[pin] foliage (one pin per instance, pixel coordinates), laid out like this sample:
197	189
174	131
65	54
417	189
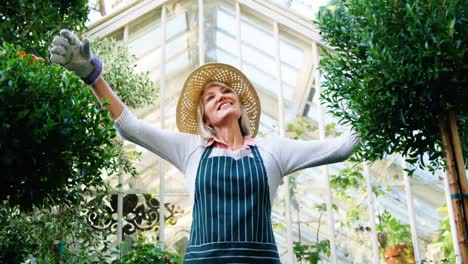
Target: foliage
392	232
311	253
348	178
15	245
53	234
348	184
396	67
141	252
135	89
298	129
445	236
32	24
55	139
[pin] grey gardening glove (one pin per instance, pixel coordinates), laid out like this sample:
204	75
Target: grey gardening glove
76	56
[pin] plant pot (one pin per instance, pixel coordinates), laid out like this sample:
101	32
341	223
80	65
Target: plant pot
399	254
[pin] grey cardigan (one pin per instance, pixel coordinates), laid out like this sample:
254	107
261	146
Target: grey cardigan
281	156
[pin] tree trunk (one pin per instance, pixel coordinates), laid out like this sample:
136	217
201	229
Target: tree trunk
457	178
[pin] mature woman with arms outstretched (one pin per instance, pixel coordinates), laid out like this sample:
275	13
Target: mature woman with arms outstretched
231	177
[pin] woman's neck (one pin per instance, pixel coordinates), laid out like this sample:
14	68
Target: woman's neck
231	135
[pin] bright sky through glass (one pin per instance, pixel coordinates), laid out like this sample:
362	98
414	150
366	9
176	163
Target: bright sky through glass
306	8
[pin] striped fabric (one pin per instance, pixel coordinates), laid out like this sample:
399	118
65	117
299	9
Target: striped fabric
231	212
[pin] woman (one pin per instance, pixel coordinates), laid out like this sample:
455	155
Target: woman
231	177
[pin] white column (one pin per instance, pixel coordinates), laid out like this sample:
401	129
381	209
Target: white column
282	132
119	208
120	179
238	36
412	217
324	169
201	34
162	96
371	207
451	214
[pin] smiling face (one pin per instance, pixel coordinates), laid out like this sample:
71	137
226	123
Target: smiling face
221	105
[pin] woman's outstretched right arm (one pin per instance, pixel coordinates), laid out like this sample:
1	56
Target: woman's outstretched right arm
102	91
76	56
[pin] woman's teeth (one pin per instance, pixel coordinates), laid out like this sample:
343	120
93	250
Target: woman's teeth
224	106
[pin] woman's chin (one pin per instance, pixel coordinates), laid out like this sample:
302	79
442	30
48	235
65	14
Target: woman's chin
226	116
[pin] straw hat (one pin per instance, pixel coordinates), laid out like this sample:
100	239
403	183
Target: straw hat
193	87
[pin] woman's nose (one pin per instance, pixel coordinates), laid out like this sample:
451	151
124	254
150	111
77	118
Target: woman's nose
220	97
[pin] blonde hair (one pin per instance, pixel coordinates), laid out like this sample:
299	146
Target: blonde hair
206	131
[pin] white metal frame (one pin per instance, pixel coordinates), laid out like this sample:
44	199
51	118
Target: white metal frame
282	133
324	169
371	209
162	96
412	217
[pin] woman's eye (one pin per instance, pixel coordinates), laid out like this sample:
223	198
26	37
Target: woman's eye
209	98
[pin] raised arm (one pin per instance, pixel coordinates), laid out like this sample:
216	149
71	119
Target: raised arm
76	56
293	155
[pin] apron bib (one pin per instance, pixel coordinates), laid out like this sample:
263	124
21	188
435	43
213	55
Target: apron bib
231	212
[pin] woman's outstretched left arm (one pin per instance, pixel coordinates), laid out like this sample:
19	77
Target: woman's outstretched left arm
295	155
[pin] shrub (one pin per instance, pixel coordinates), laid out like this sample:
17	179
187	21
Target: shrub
54	138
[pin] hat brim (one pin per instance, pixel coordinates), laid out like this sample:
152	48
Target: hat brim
195	83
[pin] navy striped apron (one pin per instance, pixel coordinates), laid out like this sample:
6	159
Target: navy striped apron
231	212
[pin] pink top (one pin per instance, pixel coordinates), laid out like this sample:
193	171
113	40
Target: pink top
217	143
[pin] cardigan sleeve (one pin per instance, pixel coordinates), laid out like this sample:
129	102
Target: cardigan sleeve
292	155
174	147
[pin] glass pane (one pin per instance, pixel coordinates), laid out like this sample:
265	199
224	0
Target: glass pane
143	39
178	63
226	42
259	59
226	21
289	75
291	54
224	57
176	25
175	46
257	37
288	91
311	95
311	112
149	62
266	81
267	124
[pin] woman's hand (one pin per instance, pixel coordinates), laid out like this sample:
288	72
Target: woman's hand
76	56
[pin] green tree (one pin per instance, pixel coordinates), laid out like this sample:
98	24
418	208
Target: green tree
32	24
397	74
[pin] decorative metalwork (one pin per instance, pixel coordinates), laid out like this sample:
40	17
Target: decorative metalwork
140	212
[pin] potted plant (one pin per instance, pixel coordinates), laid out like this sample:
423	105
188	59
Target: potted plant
395	239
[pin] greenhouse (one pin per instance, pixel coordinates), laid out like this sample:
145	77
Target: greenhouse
356	133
